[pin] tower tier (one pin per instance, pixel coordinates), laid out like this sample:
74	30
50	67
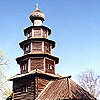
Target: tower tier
37	32
43	62
37	46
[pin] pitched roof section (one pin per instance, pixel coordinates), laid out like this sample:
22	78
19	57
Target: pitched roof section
59	88
36	71
64	89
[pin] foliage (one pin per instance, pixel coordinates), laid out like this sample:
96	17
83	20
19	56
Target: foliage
5	91
90	82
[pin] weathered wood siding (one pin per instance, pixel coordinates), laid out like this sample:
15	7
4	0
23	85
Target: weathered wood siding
37	63
37	47
50	66
24	89
47	48
28	89
37	33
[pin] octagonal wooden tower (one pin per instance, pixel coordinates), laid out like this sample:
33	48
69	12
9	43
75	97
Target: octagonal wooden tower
37	59
37	79
37	48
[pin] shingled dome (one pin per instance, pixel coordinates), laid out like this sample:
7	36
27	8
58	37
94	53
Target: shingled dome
37	14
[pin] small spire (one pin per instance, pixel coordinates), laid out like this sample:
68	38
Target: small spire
37	6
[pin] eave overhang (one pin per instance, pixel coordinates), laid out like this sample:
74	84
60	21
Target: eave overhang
21	59
29	29
36	39
35	73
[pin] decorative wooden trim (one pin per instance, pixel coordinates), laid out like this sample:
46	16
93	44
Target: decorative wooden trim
41	33
44	65
34	27
37	39
50	49
43	46
47	34
32	32
29	65
20	59
31	47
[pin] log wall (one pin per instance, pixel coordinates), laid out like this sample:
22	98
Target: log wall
37	63
36	47
28	89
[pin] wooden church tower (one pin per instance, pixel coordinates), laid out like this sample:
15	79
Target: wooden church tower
37	79
37	48
36	61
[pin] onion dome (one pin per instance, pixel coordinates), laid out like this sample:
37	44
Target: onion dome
37	15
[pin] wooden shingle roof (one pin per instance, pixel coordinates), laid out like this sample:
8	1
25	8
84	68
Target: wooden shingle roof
36	71
60	88
64	89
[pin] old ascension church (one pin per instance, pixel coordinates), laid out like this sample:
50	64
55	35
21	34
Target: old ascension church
37	79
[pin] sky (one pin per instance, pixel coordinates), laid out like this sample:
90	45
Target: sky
75	27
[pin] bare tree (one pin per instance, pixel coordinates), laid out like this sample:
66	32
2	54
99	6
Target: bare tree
90	82
5	91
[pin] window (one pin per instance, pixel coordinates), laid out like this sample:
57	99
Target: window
45	33
29	35
24	67
47	47
27	48
49	66
24	88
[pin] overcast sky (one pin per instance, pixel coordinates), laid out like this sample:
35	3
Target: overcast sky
75	27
